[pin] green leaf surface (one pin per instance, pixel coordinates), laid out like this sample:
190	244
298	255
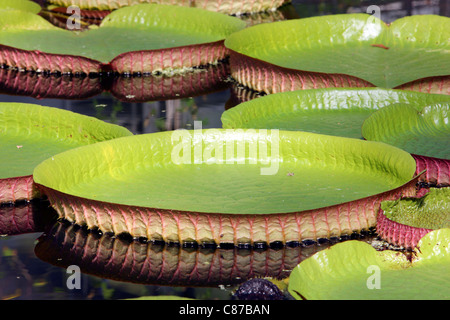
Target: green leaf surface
22	5
228	171
419	129
32	133
339	112
359	45
354	270
432	211
135	28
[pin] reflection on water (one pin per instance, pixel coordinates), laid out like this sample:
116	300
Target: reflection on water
25	217
155	263
200	81
143	105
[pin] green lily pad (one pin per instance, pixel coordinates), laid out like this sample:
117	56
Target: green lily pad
419	129
22	5
31	133
432	211
355	270
129	29
227	186
301	171
358	45
339	112
403	222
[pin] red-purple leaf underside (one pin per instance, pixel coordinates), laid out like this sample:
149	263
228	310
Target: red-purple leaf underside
182	226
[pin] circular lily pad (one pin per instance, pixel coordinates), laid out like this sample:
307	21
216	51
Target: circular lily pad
216	185
351	50
354	270
333	111
419	129
32	133
141	38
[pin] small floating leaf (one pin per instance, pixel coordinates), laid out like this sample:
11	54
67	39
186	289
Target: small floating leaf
432	211
403	222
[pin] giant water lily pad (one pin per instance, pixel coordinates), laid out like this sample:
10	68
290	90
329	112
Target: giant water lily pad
156	37
31	133
341	51
333	111
355	270
419	129
227	185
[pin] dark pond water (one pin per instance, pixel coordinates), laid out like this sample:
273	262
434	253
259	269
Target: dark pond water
114	268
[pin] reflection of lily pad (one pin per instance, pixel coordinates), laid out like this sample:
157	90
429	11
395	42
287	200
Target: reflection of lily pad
29	217
128	89
189	84
404	221
141	38
184	178
14	82
421	130
355	270
155	263
339	112
32	133
340	51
